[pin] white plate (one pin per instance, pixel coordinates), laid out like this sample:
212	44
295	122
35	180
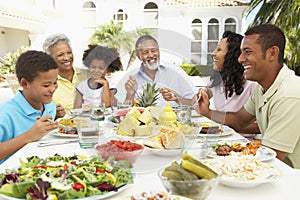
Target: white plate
110	118
133	138
232	175
169	197
226	131
101	196
58	134
227	181
263	153
165	152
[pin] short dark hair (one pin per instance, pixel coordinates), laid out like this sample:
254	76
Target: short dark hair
32	62
144	38
269	35
110	56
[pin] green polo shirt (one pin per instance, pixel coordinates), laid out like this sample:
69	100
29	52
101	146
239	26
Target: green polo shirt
277	113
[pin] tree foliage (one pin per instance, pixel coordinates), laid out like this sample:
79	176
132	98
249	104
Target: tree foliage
284	14
113	35
8	62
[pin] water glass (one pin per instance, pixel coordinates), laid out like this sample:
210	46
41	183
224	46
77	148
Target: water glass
98	113
183	113
125	104
88	133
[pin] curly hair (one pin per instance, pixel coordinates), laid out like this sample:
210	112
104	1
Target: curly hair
109	55
31	63
232	73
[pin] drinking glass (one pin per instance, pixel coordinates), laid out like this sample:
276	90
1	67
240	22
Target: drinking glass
88	133
98	113
124	105
183	113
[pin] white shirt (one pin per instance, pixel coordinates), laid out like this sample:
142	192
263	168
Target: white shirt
172	77
91	96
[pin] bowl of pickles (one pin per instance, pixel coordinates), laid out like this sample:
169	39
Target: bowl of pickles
190	178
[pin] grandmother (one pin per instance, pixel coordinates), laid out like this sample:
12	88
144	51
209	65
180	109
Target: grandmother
58	46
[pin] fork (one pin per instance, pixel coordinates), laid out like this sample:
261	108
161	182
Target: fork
50	143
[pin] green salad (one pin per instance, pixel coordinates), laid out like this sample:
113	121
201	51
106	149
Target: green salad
58	177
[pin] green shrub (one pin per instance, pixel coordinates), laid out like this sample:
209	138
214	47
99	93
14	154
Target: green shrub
196	70
8	62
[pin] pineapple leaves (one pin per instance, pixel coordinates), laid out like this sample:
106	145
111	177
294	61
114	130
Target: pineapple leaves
149	95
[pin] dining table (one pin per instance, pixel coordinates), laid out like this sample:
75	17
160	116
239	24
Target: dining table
147	166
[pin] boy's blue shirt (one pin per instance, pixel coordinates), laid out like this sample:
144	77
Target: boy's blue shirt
18	116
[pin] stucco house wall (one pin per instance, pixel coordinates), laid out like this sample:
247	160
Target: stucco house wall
174	22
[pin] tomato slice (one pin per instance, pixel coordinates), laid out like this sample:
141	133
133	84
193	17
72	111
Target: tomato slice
100	171
40	167
77	186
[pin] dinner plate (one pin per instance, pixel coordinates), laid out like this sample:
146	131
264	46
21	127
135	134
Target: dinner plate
133	138
101	196
112	121
147	195
226	131
238	173
248	184
263	153
58	134
164	152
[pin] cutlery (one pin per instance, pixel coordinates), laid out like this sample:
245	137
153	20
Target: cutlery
57	142
227	140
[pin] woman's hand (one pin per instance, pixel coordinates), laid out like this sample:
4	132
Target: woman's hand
202	107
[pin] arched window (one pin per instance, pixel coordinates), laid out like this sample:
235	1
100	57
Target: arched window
88	14
196	36
120	16
213	38
88	4
150	15
230	25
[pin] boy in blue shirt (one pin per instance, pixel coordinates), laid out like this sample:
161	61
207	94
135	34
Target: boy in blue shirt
29	115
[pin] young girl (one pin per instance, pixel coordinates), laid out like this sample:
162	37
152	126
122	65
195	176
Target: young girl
96	90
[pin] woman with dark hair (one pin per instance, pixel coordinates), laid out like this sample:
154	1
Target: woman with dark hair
227	84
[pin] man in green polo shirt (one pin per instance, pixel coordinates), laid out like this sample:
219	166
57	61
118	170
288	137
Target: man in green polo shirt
275	102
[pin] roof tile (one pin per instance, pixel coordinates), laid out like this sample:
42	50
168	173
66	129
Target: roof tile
206	3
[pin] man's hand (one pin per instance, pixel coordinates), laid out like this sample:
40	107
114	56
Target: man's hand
131	86
169	95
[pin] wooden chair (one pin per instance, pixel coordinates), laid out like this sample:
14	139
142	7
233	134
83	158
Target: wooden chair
12	82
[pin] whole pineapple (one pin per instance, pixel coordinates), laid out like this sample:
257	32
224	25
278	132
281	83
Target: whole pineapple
149	95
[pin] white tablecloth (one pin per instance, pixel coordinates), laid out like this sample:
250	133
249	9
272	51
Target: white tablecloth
285	187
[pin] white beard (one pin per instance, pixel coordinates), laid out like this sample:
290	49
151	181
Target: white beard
152	67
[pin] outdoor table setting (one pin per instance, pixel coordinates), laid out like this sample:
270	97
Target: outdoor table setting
148	164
